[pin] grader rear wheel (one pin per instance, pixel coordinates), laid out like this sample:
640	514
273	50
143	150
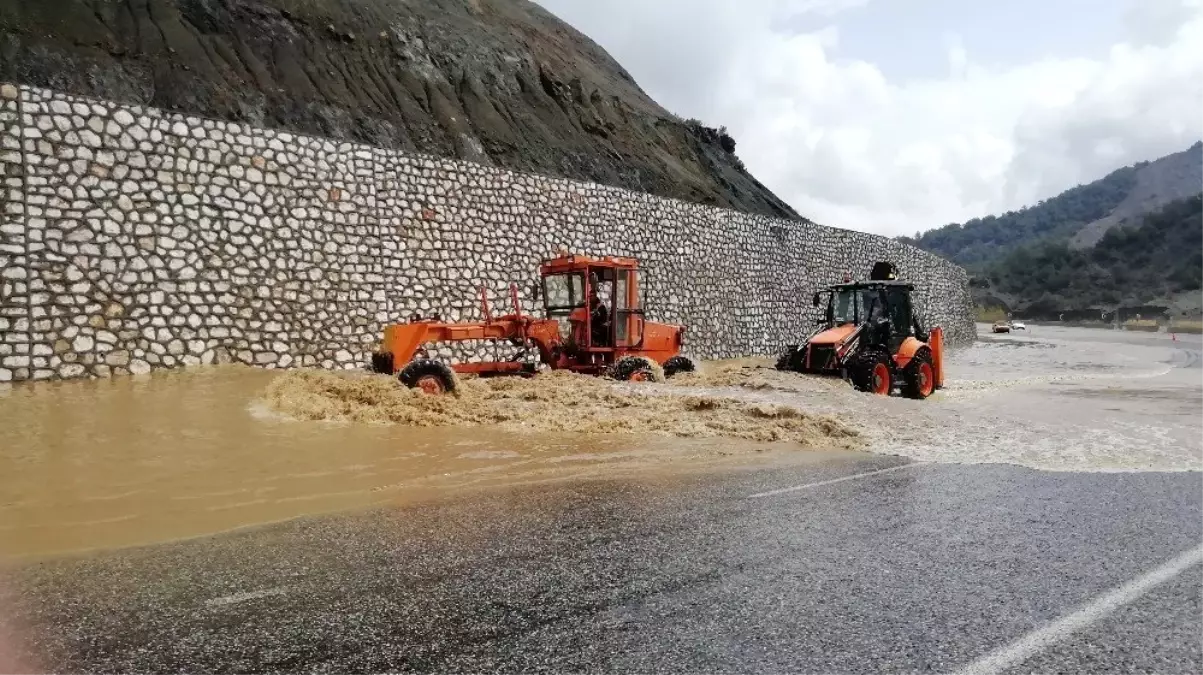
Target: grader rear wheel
431	384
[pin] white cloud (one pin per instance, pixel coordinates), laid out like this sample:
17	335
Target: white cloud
825	8
848	147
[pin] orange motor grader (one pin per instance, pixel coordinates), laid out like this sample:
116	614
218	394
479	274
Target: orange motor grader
580	331
872	336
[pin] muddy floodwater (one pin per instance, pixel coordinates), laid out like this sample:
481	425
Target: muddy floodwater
135	460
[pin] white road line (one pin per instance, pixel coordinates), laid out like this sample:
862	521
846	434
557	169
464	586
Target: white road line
243	597
1036	641
821	483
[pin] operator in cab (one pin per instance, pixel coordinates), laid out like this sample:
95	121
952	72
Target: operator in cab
599	314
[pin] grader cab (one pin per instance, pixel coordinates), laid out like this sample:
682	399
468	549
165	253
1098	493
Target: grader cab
593	323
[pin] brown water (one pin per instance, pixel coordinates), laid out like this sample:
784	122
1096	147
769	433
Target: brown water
136	460
133	460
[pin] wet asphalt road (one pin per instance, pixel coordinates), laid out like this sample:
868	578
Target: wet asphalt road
920	569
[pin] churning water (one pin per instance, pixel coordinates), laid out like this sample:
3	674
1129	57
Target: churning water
1052	398
142	459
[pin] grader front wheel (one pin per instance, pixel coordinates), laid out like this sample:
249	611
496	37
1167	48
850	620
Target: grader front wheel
382	362
432	377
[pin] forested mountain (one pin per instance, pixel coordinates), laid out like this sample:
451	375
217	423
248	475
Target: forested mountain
981	240
1135	266
1158	183
1130	239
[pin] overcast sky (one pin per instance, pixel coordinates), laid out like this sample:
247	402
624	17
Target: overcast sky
894	116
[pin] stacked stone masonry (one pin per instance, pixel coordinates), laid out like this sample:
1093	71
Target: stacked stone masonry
134	239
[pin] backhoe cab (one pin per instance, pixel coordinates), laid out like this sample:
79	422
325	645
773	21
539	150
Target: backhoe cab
593	323
871	335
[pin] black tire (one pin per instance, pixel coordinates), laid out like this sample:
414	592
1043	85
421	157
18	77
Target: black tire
782	361
382	362
678	364
912	380
632	366
416	371
862	365
787	358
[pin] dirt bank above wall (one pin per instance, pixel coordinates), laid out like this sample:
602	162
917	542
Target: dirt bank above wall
500	82
134	239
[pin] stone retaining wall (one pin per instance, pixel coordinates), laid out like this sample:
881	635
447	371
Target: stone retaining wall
135	239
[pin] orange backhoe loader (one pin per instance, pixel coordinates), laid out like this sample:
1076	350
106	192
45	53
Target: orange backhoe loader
579	331
872	336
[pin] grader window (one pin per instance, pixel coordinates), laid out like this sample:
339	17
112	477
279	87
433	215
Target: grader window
621	291
601	306
628	314
604	280
872	305
563	292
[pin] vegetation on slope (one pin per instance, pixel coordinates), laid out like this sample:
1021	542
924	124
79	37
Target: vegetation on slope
1130	266
1090	247
981	240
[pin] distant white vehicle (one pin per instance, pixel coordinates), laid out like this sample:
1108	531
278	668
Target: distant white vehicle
1018	325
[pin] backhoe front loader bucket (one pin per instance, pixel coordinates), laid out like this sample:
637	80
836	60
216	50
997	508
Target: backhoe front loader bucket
936	340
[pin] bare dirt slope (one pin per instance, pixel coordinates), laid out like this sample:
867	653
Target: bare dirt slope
501	82
1158	183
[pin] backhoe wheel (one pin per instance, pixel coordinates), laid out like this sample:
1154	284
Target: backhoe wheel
432	377
919	376
636	369
678	364
872	371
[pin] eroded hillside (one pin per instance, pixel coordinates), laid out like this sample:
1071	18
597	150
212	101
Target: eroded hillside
501	82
